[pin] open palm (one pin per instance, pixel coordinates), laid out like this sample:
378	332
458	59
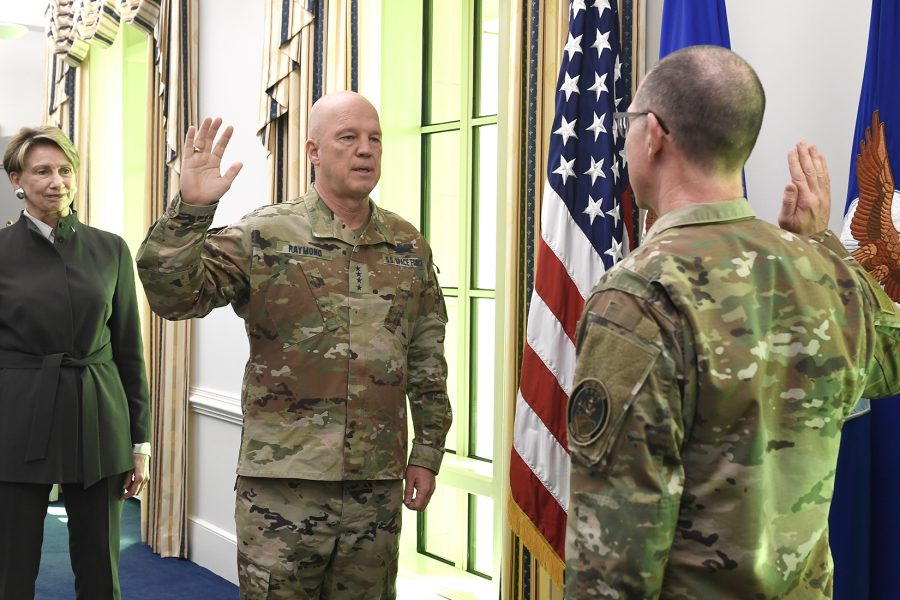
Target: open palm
806	206
202	181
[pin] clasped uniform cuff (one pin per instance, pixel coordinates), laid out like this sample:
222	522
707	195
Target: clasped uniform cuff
426	456
179	207
830	241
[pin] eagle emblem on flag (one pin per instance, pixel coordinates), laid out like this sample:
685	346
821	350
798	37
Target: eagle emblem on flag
874	223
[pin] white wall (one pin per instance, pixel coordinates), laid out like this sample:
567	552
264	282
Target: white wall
809	55
231	34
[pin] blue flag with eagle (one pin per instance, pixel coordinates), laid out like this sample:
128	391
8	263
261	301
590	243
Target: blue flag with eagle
864	521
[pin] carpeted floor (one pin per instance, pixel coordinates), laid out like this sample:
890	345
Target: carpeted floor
142	574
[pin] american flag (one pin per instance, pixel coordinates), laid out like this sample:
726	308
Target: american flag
583	233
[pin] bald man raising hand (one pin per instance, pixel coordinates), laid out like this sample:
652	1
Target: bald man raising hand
345	320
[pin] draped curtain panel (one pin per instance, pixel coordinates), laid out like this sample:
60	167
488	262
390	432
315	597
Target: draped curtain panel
537	37
171	26
310	49
72	26
173	87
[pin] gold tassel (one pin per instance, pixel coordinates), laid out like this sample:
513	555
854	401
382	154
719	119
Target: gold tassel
532	539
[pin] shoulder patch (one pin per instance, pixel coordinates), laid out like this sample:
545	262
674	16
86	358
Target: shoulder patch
588	412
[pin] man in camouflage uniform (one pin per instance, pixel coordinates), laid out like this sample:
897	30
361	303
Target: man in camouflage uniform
345	318
717	363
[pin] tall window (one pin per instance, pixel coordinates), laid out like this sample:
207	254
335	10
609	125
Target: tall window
117	131
439	111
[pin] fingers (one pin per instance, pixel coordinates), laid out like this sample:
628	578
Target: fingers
189	137
788	205
222	143
203	139
200	139
232	172
822	174
132	485
408	487
423	487
794	168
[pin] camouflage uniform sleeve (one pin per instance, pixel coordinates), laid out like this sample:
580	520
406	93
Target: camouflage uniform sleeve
882	377
187	270
628	415
429	403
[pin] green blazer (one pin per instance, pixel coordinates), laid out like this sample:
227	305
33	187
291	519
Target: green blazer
73	389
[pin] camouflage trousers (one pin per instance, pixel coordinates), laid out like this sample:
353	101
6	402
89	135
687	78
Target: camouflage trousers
317	539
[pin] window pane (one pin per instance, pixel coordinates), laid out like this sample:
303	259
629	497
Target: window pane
444	65
481	424
486	201
481	542
441	533
442	200
488	58
451	350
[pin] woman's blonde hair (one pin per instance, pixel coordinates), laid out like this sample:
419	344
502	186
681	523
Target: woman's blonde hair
28	137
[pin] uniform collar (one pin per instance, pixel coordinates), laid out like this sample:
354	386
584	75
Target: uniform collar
325	225
64	228
725	211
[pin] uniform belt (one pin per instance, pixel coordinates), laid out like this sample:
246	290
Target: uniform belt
49	366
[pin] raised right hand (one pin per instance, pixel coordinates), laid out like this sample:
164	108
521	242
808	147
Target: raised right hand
806	205
202	182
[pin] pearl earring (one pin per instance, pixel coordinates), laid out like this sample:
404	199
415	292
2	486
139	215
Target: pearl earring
20	193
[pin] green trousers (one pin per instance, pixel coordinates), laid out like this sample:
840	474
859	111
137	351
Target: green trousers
93	520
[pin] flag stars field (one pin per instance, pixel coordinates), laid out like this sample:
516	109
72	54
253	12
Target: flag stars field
599	85
570	86
566	130
597	126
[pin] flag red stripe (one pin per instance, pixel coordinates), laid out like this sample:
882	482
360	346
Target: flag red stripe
557	290
542	392
536	502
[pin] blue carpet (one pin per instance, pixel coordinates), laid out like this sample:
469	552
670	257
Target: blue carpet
142	574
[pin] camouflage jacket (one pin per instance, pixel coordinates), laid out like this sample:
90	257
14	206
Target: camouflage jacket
716	366
341	329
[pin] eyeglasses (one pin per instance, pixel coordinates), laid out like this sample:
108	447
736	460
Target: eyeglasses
621	120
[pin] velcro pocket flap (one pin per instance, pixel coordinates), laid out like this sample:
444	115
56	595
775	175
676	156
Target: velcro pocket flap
611	371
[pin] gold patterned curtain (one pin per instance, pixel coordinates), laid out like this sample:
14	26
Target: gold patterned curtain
171	27
309	50
173	107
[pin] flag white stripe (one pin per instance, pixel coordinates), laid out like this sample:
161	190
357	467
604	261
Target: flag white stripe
568	242
548	339
541	451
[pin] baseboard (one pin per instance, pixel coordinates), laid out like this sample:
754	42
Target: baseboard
213	548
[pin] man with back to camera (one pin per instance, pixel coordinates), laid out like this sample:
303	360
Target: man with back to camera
717	363
345	317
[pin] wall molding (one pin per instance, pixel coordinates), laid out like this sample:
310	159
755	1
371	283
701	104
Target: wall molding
216	405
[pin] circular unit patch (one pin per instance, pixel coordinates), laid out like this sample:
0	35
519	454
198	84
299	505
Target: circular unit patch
588	412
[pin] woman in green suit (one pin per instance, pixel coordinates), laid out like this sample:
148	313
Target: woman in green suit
74	403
